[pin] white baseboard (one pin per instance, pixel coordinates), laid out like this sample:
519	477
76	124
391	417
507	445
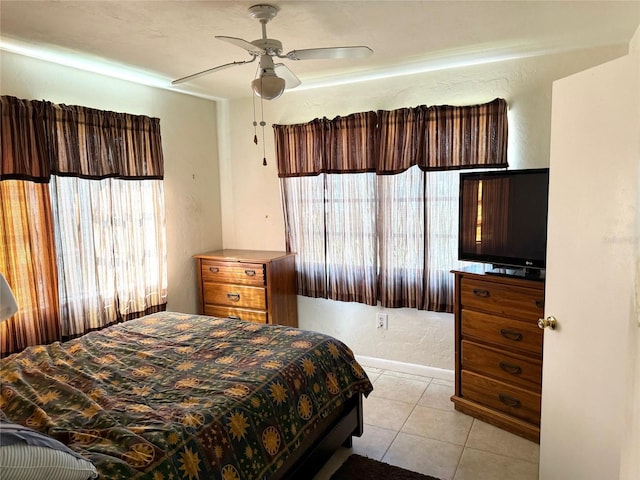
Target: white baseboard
412	368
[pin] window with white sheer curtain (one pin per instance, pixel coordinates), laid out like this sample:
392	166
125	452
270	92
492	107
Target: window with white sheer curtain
110	248
82	219
371	209
331	225
361	237
418	214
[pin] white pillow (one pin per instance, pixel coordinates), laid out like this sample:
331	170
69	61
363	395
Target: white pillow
29	455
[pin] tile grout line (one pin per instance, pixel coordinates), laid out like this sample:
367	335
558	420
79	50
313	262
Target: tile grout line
464	448
408	416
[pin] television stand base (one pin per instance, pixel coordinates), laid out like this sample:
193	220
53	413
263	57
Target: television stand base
528	273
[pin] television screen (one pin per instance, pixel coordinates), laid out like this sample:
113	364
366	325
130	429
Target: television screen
503	218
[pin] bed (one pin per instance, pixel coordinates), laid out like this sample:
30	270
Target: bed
179	396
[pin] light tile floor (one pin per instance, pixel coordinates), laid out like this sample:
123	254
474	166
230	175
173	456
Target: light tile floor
410	422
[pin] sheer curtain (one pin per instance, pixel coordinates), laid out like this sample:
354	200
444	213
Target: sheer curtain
82	219
441	227
401	237
304	218
418	238
111	250
371	200
350	233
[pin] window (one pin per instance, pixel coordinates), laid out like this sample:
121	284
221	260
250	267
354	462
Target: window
371	200
110	249
331	226
82	222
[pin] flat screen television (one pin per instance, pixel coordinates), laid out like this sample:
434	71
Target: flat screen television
503	220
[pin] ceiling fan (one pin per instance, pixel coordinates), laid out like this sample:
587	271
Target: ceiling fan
275	77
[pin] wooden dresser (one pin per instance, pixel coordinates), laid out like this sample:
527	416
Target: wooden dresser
498	350
253	285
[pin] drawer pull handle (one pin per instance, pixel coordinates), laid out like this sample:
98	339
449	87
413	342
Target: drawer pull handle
509	401
214	269
234	297
539	304
250	273
511	334
510	368
234	317
479	292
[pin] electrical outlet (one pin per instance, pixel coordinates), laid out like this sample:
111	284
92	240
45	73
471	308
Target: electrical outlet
382	320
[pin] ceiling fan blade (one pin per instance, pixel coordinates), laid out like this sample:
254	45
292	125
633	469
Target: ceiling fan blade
210	70
290	79
239	42
329	53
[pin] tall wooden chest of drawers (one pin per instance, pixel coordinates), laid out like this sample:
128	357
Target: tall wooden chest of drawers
253	285
498	350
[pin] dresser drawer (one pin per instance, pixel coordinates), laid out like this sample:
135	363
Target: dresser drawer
511	368
500	396
239	296
511	300
516	334
236	272
239	313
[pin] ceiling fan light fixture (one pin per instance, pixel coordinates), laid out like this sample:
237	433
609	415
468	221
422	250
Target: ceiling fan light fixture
268	87
274	78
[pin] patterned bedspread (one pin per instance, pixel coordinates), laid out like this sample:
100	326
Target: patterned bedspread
176	396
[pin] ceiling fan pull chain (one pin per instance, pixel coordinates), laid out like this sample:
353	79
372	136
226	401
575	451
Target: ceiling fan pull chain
262	124
255	124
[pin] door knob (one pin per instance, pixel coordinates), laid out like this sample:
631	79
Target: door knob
550	322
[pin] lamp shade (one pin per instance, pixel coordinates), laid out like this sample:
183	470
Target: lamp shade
8	305
268	86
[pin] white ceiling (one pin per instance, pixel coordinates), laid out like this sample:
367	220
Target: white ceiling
163	40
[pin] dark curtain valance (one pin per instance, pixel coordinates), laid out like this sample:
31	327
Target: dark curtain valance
340	145
25	138
401	138
465	137
389	142
40	138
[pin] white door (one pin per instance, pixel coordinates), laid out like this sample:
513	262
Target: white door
595	145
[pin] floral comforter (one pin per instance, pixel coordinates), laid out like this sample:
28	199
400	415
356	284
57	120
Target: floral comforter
176	396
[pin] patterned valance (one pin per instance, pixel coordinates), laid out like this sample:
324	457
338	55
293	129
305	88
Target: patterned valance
340	145
40	138
388	142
